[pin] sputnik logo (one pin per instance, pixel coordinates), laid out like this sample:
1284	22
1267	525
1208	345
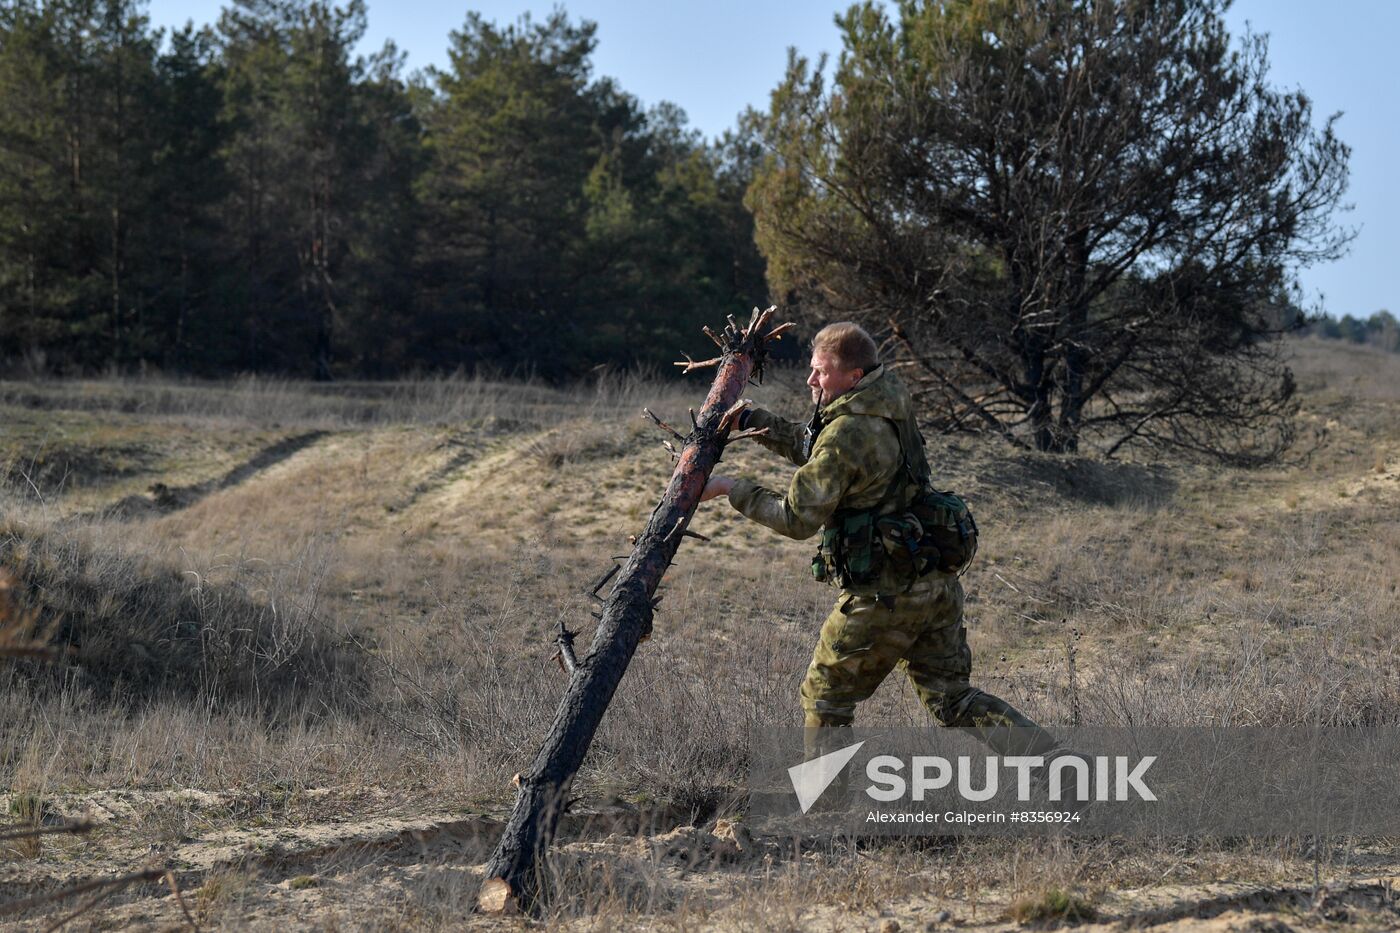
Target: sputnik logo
811	778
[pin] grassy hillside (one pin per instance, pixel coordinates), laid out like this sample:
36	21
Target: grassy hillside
296	607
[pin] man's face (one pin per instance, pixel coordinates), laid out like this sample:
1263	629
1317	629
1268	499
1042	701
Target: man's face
828	380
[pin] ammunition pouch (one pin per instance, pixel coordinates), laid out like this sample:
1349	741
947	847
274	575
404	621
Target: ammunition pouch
851	552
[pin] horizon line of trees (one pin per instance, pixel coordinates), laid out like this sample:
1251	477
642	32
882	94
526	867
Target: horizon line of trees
253	195
1380	330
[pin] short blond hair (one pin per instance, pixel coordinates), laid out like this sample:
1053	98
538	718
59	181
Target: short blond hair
850	345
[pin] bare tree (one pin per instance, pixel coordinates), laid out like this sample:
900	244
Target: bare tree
1076	218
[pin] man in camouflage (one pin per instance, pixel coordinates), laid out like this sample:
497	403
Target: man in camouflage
857	461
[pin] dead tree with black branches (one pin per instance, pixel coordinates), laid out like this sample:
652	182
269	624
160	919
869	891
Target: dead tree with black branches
1077	221
513	876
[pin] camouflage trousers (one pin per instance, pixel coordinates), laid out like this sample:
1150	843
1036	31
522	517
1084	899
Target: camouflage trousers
921	632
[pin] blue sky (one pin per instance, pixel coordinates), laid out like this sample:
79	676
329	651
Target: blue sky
717	57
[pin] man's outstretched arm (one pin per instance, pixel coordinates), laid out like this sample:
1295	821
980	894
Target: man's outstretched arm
784	437
814	493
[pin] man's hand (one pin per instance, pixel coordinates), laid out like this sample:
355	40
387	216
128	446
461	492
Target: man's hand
716	487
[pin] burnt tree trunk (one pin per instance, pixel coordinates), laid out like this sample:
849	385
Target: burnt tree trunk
513	880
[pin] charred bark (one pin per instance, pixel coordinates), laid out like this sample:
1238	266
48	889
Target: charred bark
513	876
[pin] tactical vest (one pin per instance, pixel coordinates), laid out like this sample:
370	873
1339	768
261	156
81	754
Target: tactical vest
927	530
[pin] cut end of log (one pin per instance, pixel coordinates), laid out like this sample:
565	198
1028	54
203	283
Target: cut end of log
496	897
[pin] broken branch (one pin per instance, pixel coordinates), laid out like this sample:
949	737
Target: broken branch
676	531
690	365
15	907
663	425
727	421
603	580
763	317
568	661
180	899
777	332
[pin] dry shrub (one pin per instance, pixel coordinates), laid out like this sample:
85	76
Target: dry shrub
1052	908
20	634
223	895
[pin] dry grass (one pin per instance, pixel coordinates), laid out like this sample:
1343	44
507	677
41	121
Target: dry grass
281	403
20	633
133	627
363	620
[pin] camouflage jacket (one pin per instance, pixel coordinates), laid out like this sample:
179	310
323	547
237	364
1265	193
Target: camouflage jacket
853	462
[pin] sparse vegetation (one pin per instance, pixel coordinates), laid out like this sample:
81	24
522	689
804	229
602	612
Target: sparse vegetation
1053	908
329	668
